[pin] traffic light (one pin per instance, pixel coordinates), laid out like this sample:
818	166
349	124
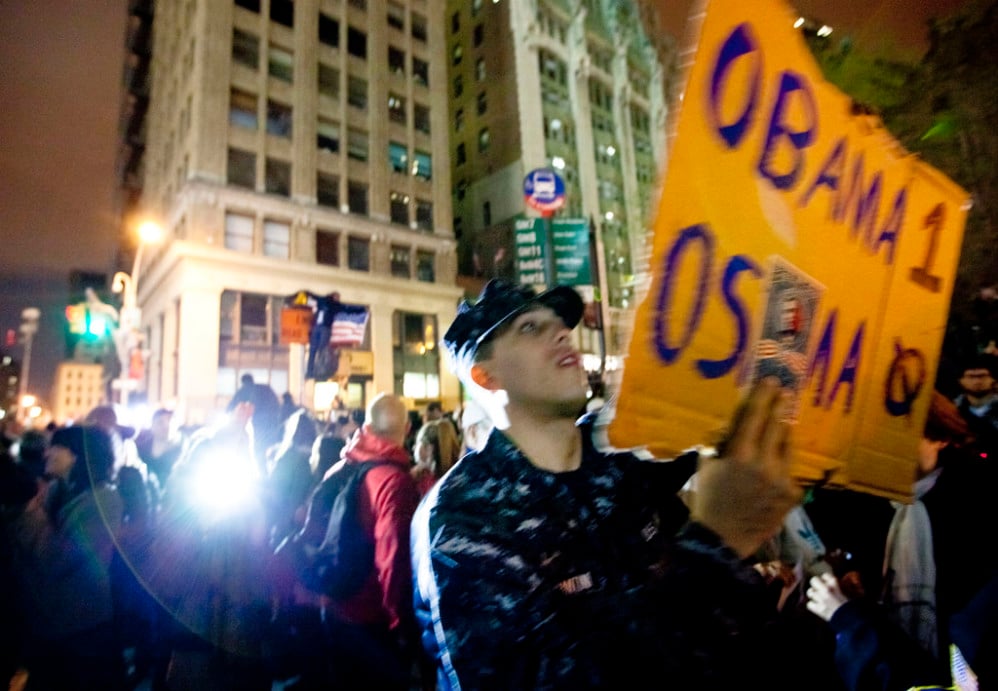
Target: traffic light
76	316
83	322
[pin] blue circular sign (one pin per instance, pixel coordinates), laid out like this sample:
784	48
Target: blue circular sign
544	190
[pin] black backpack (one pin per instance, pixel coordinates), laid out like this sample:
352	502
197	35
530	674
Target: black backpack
331	553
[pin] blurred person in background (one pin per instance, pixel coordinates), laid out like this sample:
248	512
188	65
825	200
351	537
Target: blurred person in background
435	451
158	446
64	544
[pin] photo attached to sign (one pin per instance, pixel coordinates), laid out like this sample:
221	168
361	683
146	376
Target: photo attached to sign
781	350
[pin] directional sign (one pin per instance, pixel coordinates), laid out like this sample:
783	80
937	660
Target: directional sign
570	241
544	190
530	251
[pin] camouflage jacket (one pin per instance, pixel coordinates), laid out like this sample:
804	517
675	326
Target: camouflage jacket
527	579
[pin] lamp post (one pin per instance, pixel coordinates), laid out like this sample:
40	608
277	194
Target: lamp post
127	336
29	327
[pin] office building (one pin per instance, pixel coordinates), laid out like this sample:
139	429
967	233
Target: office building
291	146
576	86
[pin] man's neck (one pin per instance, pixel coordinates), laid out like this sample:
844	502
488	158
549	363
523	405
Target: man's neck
550	443
979	400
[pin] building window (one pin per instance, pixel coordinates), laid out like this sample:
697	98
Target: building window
420	71
421	118
424	266
238	232
484	139
417	359
242	109
327	136
398	157
455	22
282	12
241	170
458	227
400	258
276	239
357	92
253	318
396	108
458	119
479	35
396	15
327	248
358	253
357	144
480	70
418	28
329	81
487	214
476	6
278	119
396	60
329	31
483	104
357	197
357	43
460	154
457	52
460	189
327	189
399	204
458	86
251	5
278	176
245	49
424	214
422	165
280	64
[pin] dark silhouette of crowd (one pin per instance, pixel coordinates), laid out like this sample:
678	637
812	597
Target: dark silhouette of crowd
154	558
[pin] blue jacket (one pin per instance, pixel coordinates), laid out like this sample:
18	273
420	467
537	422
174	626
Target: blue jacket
527	579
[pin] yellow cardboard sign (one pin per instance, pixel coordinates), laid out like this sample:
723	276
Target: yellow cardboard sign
797	239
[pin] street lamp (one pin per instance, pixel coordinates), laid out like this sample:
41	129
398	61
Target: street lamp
29	327
127	336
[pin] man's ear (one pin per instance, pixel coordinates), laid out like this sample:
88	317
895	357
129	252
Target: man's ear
481	376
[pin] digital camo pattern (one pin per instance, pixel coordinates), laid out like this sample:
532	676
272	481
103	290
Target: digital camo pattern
529	579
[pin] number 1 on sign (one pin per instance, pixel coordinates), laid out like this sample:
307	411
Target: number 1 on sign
922	274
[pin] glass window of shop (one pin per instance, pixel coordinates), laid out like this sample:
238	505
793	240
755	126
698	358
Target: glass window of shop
250	342
416	358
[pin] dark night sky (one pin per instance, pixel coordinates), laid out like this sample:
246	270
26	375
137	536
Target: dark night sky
60	86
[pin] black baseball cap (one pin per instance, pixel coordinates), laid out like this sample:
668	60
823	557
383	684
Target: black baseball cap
499	302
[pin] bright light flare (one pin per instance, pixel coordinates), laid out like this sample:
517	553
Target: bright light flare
223	486
150	232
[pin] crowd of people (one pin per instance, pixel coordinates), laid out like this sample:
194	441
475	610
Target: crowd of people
508	547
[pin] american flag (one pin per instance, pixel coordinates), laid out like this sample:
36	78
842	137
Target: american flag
349	326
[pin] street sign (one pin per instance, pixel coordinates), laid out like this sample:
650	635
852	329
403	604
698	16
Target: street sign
296	323
569	241
531	252
544	190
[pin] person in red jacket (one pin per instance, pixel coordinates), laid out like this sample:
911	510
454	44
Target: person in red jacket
371	632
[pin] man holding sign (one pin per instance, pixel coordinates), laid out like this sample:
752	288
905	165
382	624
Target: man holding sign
544	562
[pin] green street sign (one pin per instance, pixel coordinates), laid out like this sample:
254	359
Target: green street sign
570	241
530	252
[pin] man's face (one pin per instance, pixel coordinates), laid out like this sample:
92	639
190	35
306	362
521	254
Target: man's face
977	382
536	363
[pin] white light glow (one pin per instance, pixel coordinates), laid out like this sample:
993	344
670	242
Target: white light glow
825	30
799	22
558	162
